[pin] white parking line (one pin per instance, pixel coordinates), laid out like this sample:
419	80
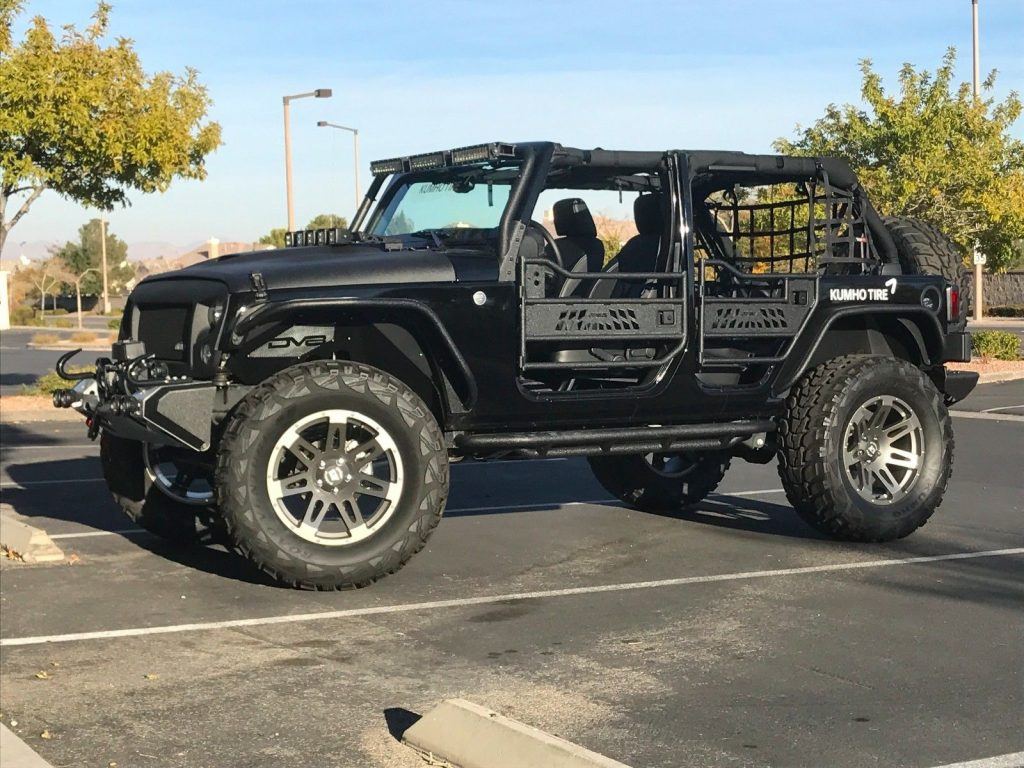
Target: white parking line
463	602
17	447
503	507
984	415
1016	760
1002	408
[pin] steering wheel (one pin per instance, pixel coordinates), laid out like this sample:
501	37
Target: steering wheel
549	242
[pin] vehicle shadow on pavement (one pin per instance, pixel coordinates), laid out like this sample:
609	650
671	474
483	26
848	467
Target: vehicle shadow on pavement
747	514
13	435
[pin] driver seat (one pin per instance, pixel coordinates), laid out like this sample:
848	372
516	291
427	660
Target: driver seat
577	241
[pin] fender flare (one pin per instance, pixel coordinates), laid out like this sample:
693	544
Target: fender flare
464	382
930	341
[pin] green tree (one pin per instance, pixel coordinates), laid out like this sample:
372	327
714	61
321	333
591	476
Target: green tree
274	237
934	152
87	253
81	117
327	221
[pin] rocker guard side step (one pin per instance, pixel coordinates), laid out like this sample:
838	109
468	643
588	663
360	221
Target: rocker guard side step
619	440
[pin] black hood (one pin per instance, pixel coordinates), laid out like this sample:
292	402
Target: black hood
318	266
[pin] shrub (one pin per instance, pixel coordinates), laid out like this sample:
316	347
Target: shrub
114	323
45	338
49	382
1002	345
60	322
83	337
1014	310
22	316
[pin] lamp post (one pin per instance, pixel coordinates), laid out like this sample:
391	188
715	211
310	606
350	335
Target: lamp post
355	150
979	279
103	263
319	93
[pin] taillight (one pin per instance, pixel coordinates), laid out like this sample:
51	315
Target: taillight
952	304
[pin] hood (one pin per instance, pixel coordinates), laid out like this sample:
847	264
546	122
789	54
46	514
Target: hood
316	266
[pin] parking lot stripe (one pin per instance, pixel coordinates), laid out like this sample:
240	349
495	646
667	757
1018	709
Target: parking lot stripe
463	602
90	534
1016	760
986	416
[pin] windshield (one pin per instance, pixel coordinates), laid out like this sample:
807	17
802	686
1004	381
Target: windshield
473	200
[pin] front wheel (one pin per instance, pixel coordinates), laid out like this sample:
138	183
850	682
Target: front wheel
166	491
661	482
865	448
332	475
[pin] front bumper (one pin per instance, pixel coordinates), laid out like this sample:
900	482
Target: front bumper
125	399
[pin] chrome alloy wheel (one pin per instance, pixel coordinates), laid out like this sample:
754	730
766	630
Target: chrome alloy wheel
335	477
179	476
883	450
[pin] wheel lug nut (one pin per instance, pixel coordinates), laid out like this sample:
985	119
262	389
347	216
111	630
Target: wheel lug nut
322	464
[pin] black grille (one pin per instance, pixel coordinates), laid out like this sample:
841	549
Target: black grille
165	331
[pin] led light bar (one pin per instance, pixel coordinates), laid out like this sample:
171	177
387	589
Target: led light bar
331	236
477	153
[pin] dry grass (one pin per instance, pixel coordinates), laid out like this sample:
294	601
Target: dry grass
83	337
45	338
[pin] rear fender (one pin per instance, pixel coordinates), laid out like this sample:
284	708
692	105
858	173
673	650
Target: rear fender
908	333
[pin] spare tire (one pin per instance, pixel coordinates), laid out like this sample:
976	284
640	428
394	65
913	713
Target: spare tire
924	250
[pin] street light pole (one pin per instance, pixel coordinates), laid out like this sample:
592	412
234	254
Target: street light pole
319	93
979	279
103	264
355	151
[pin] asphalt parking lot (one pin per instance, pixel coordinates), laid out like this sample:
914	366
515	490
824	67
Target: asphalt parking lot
731	636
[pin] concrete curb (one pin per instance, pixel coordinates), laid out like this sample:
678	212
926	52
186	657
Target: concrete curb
31	544
16	753
68	346
996	377
460	733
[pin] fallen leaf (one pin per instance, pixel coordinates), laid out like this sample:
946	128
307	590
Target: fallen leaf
73	558
43	674
151	677
54	663
45	735
14	723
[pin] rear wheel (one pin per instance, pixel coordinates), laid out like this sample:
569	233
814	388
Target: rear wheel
332	475
661	482
865	448
166	491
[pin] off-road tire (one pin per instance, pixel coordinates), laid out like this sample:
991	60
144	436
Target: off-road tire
924	250
811	435
633	480
135	491
281	401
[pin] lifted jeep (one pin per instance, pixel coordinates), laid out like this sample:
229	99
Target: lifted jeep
306	402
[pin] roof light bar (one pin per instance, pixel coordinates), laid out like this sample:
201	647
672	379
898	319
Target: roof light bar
300	238
477	153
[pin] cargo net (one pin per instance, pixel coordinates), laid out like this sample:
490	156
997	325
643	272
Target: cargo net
797	227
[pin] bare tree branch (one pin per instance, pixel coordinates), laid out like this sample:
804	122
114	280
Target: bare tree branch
37	190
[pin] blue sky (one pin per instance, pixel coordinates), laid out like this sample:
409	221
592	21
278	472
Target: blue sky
416	76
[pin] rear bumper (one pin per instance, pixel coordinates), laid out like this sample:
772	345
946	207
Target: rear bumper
958	348
958	385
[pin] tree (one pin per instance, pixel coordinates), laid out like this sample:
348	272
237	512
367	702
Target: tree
82	118
274	237
933	152
327	221
43	278
88	252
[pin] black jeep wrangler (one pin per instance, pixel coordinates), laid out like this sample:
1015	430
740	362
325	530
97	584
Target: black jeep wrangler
306	402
